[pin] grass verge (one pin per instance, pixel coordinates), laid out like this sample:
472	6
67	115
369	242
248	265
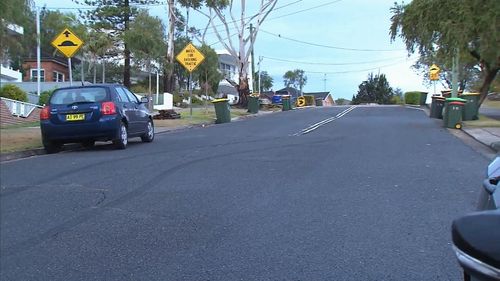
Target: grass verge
483	121
19	138
27	136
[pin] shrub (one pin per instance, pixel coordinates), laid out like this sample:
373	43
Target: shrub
44	97
13	92
396	100
412	98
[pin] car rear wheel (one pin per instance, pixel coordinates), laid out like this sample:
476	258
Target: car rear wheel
52	147
150	132
122	141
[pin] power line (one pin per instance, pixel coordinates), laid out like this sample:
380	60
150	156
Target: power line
326	63
329	46
305	10
353	71
89	7
248	17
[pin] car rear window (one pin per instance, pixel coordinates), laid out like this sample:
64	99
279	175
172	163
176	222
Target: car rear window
69	96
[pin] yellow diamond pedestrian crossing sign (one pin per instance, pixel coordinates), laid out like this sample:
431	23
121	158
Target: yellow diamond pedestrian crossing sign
190	57
67	43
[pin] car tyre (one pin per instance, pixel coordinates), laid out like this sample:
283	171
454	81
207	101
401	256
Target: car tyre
149	135
52	147
122	141
88	143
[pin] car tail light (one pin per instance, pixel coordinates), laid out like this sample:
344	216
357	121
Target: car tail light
45	113
108	108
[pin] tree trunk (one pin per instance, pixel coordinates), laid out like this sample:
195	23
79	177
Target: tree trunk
168	80
126	68
103	72
126	51
488	79
95	73
243	91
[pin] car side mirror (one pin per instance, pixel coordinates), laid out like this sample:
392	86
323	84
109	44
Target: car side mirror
476	240
144	100
491	184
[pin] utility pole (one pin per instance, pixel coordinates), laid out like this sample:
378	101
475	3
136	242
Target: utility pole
38	52
454	75
324	82
260	75
253	66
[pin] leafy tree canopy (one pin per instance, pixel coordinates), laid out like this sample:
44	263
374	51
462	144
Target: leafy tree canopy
266	81
444	27
375	89
207	73
296	79
146	38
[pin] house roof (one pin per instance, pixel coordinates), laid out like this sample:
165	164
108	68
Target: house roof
227	90
45	56
227	59
321	95
268	95
288	91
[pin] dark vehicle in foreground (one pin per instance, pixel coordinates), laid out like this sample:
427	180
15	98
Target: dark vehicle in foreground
87	114
476	237
489	198
476	242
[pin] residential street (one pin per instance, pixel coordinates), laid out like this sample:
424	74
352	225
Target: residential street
367	196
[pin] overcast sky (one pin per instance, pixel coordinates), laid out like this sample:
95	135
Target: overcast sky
337	43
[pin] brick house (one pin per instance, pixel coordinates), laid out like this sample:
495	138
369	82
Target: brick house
53	69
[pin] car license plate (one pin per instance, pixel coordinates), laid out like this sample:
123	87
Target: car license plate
75	117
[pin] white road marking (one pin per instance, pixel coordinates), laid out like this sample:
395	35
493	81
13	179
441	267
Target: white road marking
324	122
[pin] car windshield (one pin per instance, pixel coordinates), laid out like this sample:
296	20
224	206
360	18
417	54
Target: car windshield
79	95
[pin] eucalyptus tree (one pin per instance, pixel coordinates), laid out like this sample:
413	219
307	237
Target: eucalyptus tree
446	27
114	17
296	79
146	40
224	16
96	48
13	12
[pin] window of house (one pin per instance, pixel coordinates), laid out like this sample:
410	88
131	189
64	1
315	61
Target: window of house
34	75
57	76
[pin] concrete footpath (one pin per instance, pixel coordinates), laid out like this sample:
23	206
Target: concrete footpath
489	136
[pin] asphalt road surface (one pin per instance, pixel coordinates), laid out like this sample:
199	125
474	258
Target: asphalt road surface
368	194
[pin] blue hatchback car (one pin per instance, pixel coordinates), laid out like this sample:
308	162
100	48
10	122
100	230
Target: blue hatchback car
86	114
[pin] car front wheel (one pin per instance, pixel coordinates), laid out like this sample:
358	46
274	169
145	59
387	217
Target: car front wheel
122	140
149	135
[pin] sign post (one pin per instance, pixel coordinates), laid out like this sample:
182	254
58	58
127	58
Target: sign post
68	44
190	58
434	71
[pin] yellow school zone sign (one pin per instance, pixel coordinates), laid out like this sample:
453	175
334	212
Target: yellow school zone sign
190	57
67	43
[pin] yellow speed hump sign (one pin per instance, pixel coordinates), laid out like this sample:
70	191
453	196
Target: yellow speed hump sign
67	43
190	57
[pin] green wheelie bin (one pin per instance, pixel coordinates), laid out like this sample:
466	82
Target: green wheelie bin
253	104
285	99
471	109
437	107
423	98
222	111
452	116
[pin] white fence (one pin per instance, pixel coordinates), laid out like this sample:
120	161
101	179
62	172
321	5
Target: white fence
19	108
